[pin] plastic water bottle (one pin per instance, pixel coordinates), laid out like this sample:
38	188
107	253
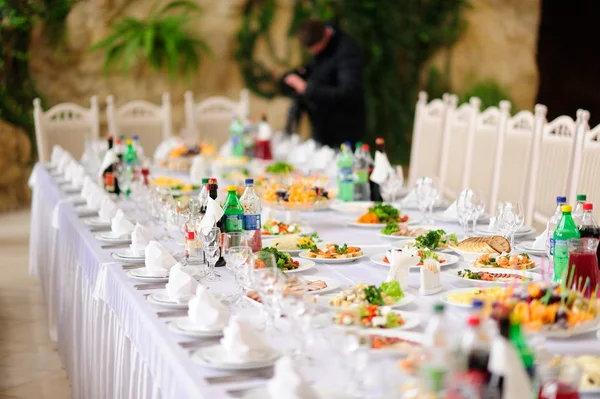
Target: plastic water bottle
345	177
236	130
552	223
433	371
137	146
203	196
565	230
578	211
252	209
362	191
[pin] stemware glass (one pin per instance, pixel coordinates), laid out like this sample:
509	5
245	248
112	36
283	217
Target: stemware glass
237	261
513	218
465	209
478	208
210	237
427	194
268	281
392	186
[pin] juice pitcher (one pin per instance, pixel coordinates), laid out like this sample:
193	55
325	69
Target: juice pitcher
582	258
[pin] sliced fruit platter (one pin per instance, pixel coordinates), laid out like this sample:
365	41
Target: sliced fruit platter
304	195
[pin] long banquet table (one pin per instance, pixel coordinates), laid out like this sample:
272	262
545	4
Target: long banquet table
111	340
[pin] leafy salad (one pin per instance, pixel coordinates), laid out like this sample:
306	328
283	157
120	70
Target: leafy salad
283	259
387	293
279	168
435	239
370	316
382	213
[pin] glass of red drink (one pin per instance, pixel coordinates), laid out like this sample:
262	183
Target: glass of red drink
582	257
263	150
559	381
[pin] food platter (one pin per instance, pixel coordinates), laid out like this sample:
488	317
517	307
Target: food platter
503	276
449	260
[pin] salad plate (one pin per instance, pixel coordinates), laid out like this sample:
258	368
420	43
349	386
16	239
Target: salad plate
162	299
491	277
304	255
96	222
215	357
394	342
409	321
341	301
185	326
274	229
521	231
444	259
142	274
305	264
527	246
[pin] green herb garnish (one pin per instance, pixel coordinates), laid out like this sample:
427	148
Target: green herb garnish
341	250
385	213
279	168
392	289
373	295
390	228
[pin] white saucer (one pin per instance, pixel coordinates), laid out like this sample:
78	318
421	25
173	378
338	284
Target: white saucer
84	210
96	222
215	357
127	254
161	298
142	274
112	238
184	326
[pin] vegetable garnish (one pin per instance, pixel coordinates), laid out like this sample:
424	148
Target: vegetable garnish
435	239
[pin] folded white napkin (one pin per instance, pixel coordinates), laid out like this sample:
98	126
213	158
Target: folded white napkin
206	311
70	170
120	225
451	212
110	157
181	286
401	260
158	260
541	240
264	131
199	169
287	383
242	342
505	361
94	197
213	214
226	149
56	155
78	176
382	168
140	238
108	209
410	199
87	186
64	162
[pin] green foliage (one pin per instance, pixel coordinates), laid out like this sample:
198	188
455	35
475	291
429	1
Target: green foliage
489	92
17	19
436	84
397	38
160	40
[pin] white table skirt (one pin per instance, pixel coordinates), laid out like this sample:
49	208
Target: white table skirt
111	340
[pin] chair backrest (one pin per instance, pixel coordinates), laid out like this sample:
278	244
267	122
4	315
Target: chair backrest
209	119
512	171
586	169
426	146
68	125
151	122
481	168
459	126
551	165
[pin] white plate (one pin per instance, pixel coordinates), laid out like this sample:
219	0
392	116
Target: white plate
416	337
352	207
70	189
127	254
305	264
450	260
127	260
405	300
410	321
527	246
413	227
184	326
453	275
302	230
146	278
85	210
215	357
403	244
96	222
467	256
162	299
111	237
445	295
332	284
521	232
579	329
320	260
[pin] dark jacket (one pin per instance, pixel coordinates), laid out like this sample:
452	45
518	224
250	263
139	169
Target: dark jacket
334	97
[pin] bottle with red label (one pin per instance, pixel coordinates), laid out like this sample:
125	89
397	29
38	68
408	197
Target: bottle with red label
588	227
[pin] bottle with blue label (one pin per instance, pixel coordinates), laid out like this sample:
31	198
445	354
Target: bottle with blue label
252	221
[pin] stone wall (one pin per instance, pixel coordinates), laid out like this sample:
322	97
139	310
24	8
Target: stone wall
15	168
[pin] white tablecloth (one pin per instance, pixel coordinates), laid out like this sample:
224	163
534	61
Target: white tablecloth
111	340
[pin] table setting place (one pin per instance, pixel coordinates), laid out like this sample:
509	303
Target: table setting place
412	296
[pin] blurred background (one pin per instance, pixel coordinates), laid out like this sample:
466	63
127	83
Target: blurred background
524	51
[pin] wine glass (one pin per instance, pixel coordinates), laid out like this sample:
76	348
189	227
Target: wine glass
392	185
478	208
210	237
237	261
464	209
513	218
427	194
268	281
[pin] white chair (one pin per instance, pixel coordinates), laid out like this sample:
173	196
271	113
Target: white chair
209	119
151	122
511	172
68	125
426	146
551	165
459	126
586	169
484	152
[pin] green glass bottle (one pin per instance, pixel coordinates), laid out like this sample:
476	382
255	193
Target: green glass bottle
519	341
566	230
233	212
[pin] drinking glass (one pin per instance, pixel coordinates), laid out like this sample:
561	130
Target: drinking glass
237	261
512	218
465	209
478	208
392	186
268	281
427	194
210	237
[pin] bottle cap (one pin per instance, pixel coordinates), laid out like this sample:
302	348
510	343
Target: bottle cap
477	303
129	142
249	181
438	308
212	180
566	208
136	137
190	235
588	206
561	200
348	144
473	321
231	188
581	197
109	137
365	147
359	144
379	140
205	180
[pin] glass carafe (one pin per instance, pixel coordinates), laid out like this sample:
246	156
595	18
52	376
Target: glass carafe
582	258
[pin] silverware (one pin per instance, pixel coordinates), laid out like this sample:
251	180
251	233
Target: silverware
149	286
227	379
172	313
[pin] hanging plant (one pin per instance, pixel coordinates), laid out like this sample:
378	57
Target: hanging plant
160	40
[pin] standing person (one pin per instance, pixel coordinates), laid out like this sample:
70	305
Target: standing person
331	86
